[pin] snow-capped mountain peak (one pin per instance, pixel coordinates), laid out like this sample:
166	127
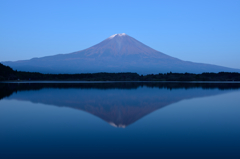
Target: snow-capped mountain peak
121	34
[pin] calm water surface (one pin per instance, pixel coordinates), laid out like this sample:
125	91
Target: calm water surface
120	120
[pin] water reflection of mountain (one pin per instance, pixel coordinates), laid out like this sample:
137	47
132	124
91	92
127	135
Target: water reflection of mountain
119	104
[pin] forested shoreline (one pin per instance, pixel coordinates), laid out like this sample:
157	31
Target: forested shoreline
8	74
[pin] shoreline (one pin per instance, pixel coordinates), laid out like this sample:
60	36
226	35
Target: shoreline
71	81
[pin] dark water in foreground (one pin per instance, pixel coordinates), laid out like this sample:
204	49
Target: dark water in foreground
120	120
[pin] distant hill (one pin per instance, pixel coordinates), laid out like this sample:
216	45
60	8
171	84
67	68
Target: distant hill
118	53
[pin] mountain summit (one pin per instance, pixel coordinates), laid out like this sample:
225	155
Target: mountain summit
117	53
121	45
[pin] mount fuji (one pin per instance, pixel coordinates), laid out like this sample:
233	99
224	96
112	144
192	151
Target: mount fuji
118	53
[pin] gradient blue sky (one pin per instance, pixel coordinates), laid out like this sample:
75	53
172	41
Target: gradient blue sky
206	31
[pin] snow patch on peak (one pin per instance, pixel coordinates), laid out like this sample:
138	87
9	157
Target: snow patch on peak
122	34
112	36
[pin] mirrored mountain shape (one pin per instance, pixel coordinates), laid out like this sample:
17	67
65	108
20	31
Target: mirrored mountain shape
118	53
119	104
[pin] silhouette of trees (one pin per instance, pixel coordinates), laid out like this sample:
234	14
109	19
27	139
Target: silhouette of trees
7	73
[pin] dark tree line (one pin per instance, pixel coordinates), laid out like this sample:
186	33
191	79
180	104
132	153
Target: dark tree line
7	73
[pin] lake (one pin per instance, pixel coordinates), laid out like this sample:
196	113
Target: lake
119	120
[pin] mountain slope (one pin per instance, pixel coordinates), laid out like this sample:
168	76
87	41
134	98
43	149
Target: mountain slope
118	53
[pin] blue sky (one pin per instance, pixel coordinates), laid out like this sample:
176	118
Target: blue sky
206	31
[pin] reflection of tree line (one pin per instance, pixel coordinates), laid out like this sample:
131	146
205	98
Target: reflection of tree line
6	73
6	89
